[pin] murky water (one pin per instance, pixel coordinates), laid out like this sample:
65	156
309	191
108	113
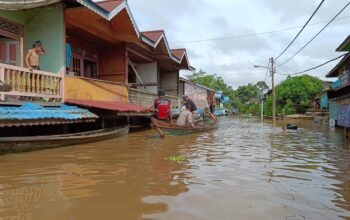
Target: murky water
242	171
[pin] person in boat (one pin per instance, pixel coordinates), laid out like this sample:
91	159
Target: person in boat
162	107
186	117
208	117
190	103
32	57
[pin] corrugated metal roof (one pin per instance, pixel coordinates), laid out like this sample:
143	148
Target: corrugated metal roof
108	105
30	111
38	122
196	84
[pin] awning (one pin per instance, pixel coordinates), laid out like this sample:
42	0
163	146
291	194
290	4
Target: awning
30	114
108	105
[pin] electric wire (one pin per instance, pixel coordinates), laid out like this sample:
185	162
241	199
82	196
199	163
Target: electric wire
254	34
312	39
313	68
301	30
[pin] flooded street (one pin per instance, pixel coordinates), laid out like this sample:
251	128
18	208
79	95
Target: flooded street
243	171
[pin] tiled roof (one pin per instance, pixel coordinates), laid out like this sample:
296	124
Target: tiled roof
178	53
109	5
153	35
108	105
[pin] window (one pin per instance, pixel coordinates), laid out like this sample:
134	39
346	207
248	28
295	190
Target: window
76	66
9	51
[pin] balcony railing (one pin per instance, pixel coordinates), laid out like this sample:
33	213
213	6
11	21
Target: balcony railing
30	84
146	100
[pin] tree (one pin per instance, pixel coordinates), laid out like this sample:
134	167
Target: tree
262	86
295	94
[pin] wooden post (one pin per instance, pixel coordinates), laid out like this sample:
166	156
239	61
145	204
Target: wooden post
273	92
21	52
2	79
61	86
134	69
103	123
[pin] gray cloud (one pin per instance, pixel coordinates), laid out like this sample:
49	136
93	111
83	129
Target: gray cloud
187	20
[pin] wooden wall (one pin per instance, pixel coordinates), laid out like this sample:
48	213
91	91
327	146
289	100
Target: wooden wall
113	64
91	89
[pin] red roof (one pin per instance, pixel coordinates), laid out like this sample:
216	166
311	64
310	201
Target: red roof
178	53
109	5
153	35
108	105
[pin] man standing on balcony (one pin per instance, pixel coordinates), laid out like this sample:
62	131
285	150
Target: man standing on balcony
32	58
162	107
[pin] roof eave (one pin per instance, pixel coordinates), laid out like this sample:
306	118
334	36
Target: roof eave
110	15
332	73
341	47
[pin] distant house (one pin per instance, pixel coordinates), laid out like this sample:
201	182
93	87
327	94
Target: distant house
202	96
320	103
339	95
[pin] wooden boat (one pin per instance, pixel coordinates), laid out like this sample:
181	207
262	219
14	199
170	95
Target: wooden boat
165	128
31	143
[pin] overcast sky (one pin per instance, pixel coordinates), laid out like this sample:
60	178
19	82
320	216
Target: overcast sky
188	21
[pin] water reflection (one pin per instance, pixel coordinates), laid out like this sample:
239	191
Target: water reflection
244	170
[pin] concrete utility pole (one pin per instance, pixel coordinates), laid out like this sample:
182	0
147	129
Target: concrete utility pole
262	109
272	61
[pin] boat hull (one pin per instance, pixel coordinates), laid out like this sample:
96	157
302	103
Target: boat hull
25	144
165	128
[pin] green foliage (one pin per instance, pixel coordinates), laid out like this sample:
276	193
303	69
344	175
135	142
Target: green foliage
175	159
295	94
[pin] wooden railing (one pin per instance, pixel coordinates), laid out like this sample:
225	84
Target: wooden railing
35	84
146	100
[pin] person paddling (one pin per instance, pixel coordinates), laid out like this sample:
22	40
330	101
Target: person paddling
186	117
190	103
162	107
208	117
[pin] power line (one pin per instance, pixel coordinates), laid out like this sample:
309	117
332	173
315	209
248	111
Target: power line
313	68
290	58
255	34
301	30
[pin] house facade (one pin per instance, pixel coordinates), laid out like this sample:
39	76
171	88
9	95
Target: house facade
202	96
95	57
339	95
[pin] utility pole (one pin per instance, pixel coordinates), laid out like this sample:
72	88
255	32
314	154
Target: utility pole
273	91
262	109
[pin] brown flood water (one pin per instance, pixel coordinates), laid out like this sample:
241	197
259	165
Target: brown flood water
242	171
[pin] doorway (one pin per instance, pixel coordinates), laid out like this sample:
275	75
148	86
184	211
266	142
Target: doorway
90	69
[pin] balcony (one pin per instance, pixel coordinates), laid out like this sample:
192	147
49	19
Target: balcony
30	85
